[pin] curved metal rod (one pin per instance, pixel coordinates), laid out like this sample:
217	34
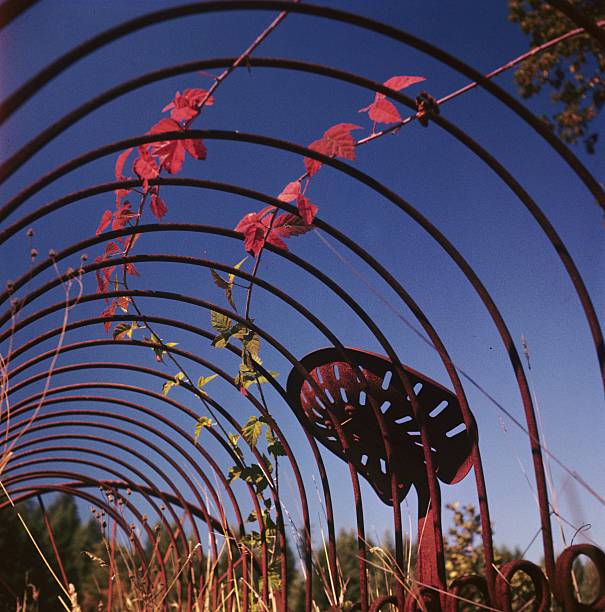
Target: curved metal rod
211	366
418	217
23	406
75	488
219	267
22	452
133	485
191	441
20	408
11	9
26	91
131	507
205	454
142	440
374	332
108	235
29	150
128	433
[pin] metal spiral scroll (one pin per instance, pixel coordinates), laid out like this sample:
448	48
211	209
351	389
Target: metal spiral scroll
392	425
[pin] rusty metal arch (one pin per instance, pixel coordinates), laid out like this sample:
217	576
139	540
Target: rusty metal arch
495	588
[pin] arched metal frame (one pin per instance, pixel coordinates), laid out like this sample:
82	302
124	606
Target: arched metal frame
495	585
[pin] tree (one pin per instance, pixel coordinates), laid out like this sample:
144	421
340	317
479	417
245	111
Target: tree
573	70
23	572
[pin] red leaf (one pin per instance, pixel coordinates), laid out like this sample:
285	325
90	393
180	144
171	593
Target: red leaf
257	228
123	302
290	192
170	152
120	164
195	148
111	249
131	270
382	111
109	312
158	206
313	165
105	221
252	219
336	141
306	210
145	167
401	82
254	239
121	193
339	141
122	216
287	225
254	227
185	107
103	275
165	125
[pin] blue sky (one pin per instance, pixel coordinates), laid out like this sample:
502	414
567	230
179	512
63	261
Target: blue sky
427	167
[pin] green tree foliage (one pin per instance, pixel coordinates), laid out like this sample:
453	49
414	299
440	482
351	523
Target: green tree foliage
22	571
573	70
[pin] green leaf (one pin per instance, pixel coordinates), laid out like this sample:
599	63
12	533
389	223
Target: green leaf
220	322
227	285
252	347
234	473
158	347
202	381
124	330
172	383
202	423
255	475
274	446
221	340
220	282
252	430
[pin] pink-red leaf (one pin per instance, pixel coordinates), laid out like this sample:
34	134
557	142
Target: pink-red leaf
287	225
401	82
111	248
313	165
145	167
196	148
109	312
382	111
185	106
158	206
105	221
120	164
103	275
131	270
290	192
171	153
122	216
306	209
337	141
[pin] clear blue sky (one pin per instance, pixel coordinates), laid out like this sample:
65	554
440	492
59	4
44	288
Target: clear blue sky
454	189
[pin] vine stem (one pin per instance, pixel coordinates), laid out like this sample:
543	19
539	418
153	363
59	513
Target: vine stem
447	98
217	82
242	58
